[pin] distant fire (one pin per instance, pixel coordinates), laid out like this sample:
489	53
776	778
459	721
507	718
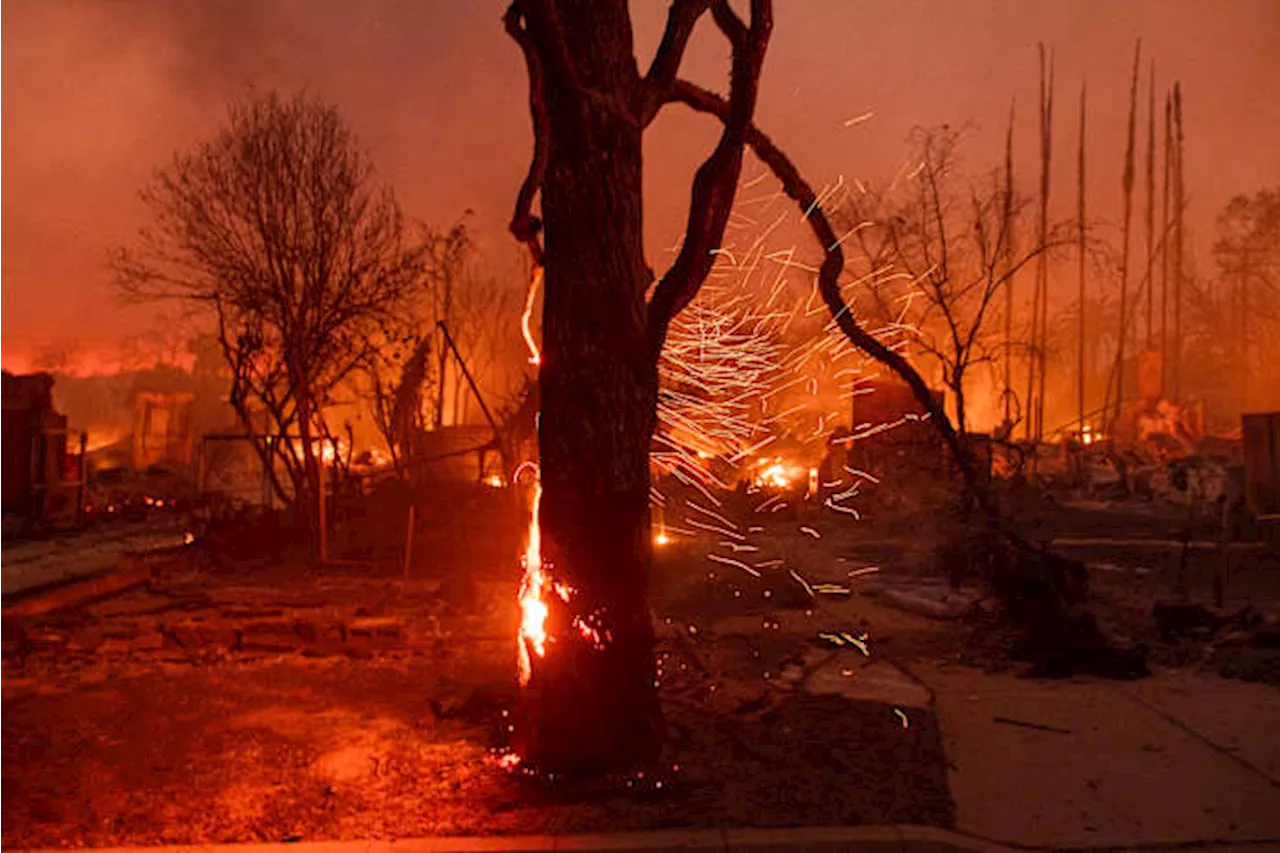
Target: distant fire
777	474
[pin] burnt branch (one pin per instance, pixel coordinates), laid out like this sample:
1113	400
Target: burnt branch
681	19
524	225
716	181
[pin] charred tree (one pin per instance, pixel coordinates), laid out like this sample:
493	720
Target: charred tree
589	701
277	230
949	242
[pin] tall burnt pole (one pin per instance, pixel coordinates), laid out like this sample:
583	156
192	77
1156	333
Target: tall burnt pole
1080	176
1127	185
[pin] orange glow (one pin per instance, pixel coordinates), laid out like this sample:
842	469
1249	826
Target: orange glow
777	474
535	282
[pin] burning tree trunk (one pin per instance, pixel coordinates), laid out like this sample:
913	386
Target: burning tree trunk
589	701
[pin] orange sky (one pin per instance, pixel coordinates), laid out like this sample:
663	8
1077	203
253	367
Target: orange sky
96	95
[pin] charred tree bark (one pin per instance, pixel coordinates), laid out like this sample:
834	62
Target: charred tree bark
599	398
590	703
587	709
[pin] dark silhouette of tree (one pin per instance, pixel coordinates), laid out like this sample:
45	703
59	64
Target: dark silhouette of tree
415	382
277	228
1247	254
587	706
938	251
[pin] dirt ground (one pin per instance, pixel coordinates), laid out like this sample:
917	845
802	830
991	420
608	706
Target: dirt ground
281	705
275	704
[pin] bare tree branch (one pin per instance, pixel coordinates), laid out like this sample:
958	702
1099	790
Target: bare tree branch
277	227
716	181
524	226
681	19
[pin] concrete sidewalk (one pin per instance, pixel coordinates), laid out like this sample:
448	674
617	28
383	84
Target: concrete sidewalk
1176	759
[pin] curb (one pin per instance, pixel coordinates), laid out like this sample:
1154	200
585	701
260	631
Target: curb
814	839
823	839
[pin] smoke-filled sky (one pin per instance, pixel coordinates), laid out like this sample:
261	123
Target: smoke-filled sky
98	93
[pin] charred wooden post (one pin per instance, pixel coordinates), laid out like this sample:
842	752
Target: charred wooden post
1080	248
1042	266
